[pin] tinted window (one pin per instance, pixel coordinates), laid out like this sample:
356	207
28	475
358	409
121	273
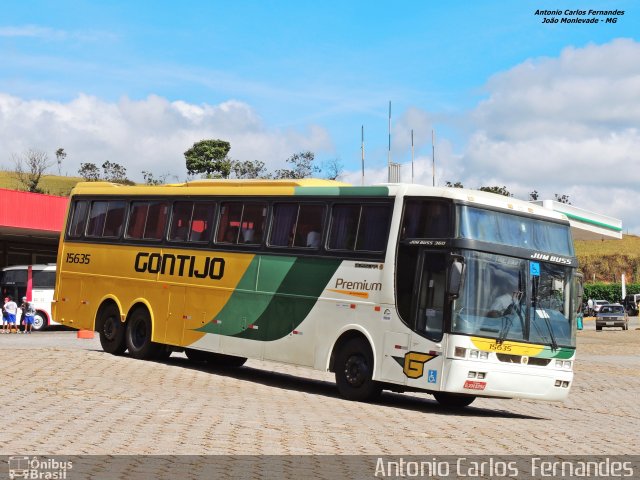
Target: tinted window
426	219
78	219
44	279
297	225
359	227
147	220
242	223
97	216
191	222
14	277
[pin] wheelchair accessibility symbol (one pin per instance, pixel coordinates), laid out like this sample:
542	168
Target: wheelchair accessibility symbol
432	377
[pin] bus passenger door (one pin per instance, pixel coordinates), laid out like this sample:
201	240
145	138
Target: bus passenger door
423	363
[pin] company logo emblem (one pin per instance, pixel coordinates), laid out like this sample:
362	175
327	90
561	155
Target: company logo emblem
414	364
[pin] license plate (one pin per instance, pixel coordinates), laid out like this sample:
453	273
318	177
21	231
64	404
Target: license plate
610	323
474	385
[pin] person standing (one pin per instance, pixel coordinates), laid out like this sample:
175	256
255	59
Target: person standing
4	315
28	314
12	310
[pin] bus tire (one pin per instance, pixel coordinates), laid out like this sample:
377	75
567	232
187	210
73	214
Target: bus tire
111	331
453	400
39	322
354	371
138	336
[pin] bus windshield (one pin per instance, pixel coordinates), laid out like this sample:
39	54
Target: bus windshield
514	230
515	299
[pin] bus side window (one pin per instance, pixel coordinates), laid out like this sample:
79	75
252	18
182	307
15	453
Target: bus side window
344	227
78	219
97	216
309	226
374	228
201	222
180	220
115	219
229	223
252	224
283	224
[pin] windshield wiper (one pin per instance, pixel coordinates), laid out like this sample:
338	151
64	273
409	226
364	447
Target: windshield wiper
547	322
508	321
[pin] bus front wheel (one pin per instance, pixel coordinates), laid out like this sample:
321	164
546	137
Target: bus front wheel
111	331
354	371
138	336
454	401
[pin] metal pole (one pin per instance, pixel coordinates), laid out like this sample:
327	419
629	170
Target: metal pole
433	157
412	156
362	148
389	151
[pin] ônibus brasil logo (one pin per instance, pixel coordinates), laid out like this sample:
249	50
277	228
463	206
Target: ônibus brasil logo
38	468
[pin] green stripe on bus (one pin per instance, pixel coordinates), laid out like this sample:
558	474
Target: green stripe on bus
560	354
252	295
298	293
343	191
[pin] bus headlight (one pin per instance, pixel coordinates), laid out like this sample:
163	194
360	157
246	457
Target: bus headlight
563	364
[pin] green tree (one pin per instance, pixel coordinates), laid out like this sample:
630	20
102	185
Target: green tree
498	190
454	185
60	156
249	169
89	172
301	166
114	172
209	157
534	195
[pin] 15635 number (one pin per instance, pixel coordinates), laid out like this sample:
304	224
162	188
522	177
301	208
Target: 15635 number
81	258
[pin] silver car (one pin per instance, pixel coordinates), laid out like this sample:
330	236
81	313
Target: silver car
612	315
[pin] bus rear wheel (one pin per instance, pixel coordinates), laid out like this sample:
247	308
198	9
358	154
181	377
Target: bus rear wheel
453	401
39	322
354	371
111	331
138	336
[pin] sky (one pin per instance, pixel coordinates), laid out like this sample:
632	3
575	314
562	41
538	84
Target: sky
512	101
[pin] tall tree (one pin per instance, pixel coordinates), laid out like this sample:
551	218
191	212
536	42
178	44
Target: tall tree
534	195
60	156
29	168
301	166
114	172
89	171
209	157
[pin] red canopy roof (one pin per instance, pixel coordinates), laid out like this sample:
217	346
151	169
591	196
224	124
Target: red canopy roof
32	211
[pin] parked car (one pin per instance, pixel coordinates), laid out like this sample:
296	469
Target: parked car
596	306
612	315
630	303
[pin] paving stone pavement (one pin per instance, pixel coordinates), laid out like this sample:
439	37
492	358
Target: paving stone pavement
64	396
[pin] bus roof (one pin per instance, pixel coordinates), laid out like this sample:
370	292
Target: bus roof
314	186
40	266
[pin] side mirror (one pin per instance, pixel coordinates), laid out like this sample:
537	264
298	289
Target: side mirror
456	277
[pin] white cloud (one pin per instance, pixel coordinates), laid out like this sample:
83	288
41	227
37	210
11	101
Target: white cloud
150	134
568	125
565	125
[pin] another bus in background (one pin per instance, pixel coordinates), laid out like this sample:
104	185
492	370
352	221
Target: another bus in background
36	282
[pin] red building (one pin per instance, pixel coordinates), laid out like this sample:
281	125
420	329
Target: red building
30	225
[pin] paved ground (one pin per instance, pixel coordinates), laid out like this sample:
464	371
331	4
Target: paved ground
62	395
